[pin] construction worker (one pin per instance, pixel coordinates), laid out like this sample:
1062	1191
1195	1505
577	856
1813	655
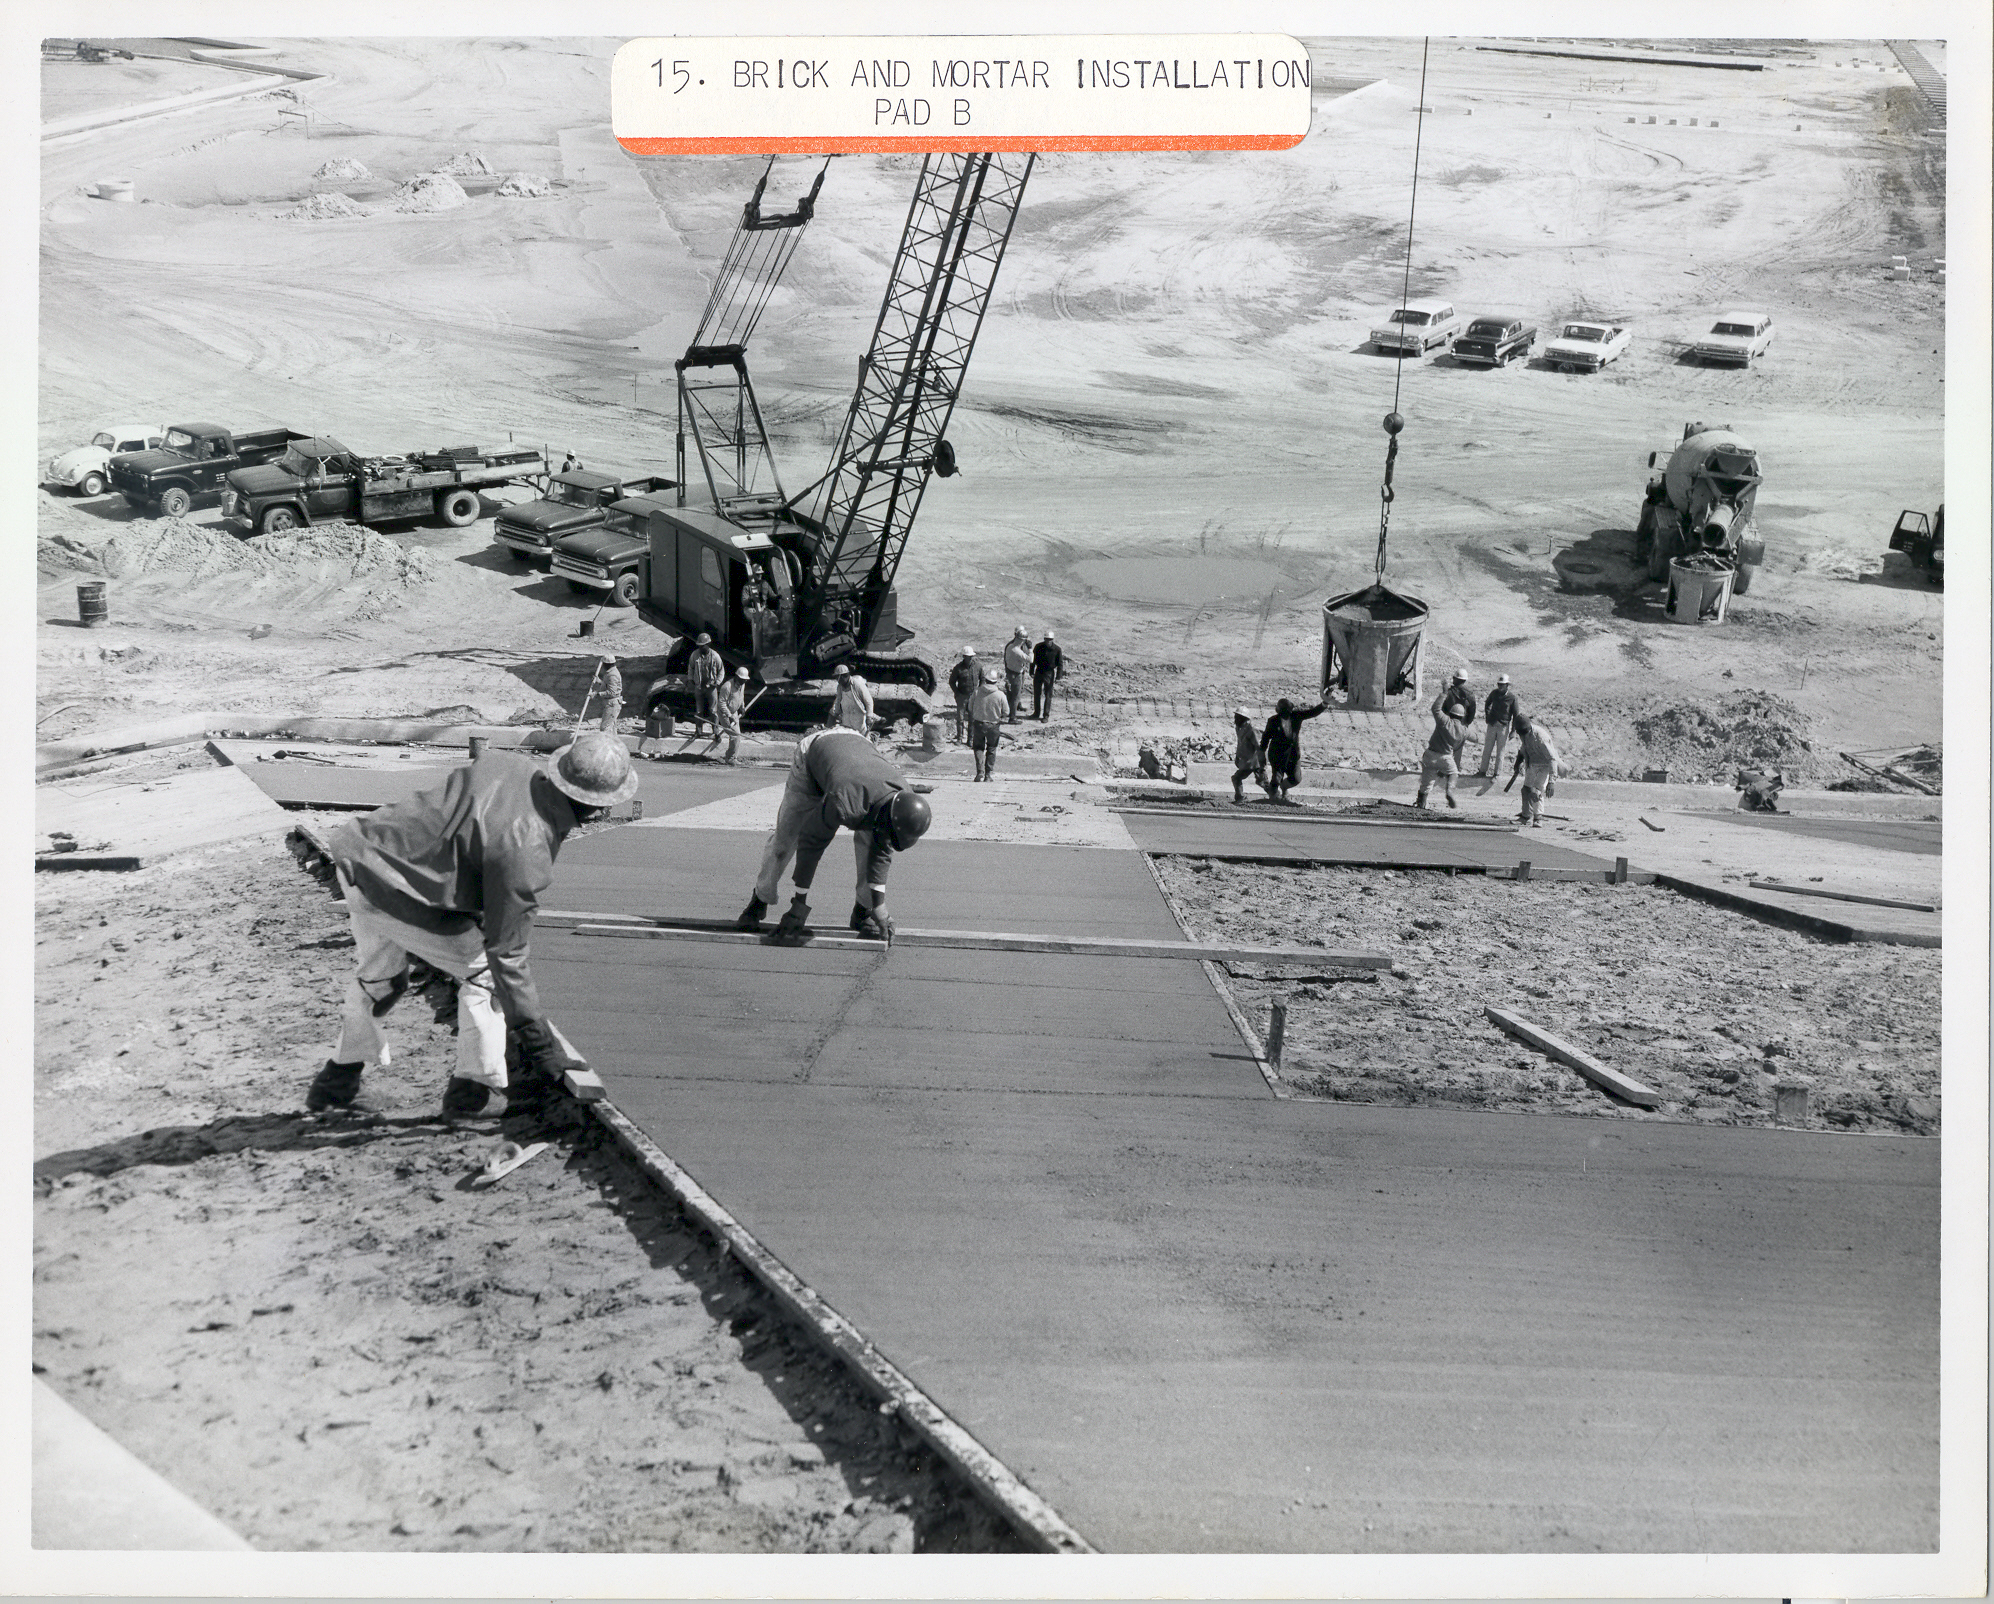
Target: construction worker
727	707
1048	667
1498	713
1437	762
1246	755
1458	703
964	677
1538	761
612	692
1017	663
452	876
987	710
571	463
706	670
851	702
1281	747
838	779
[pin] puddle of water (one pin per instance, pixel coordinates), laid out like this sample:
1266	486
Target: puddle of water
1179	579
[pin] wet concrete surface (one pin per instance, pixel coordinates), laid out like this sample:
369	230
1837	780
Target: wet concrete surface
1886	835
1268	837
1057	1193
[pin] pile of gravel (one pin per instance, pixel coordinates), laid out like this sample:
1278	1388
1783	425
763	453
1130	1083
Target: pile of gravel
323	206
1748	728
430	192
525	184
342	170
467	164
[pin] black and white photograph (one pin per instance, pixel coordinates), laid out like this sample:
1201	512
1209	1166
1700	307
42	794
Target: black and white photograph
1382	684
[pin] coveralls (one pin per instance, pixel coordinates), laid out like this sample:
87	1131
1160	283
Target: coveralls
1281	741
963	680
612	698
706	670
1499	711
838	778
1048	666
727	704
851	706
1246	759
1017	663
451	876
1538	758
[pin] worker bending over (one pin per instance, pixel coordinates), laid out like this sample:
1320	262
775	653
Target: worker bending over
1538	761
1438	762
452	876
838	779
729	702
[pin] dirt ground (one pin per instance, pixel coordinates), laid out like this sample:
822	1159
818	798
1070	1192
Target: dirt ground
1708	1007
1170	452
316	1327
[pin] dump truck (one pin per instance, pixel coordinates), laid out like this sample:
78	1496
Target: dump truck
1701	499
571	502
317	480
194	461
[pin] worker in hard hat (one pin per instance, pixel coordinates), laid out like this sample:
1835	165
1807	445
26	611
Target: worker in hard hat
452	876
612	692
727	708
1437	762
1498	715
964	677
1457	701
851	702
1281	745
838	779
1048	668
1247	758
989	706
1538	761
706	669
1017	664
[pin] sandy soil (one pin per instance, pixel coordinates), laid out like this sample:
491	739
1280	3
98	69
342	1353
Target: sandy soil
316	1328
1171	451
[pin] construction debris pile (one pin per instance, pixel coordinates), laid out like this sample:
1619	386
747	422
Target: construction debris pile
1748	728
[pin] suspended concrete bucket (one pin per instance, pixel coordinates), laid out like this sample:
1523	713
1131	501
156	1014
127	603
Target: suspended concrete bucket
1371	645
1699	588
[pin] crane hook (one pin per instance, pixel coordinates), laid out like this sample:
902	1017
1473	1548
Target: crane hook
1393	424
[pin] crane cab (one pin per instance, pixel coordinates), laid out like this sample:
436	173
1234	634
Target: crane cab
707	574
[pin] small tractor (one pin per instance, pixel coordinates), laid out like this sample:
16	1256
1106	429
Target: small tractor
1701	500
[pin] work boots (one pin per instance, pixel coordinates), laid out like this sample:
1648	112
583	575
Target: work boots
335	1087
752	915
463	1098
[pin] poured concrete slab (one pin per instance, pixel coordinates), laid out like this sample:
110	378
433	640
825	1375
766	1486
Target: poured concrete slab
1881	835
1057	1193
1268	838
129	825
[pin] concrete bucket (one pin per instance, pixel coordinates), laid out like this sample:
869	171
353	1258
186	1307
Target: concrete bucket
1699	588
1371	645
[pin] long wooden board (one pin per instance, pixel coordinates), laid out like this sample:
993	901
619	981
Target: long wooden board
1612	1080
1840	896
978	940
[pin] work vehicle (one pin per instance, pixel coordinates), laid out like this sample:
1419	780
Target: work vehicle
318	480
82	50
1418	327
572	501
1701	499
85	469
609	558
1735	337
1923	540
792	593
1582	347
1491	342
194	460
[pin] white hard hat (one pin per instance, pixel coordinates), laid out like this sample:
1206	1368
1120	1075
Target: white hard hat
1048	634
1022	630
740	673
1240	712
1502	679
969	651
843	671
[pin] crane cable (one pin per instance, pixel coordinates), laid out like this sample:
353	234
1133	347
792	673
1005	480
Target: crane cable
1394	421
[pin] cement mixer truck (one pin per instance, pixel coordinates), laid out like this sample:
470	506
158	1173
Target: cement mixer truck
1701	500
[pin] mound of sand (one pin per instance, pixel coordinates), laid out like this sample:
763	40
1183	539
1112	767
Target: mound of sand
430	192
1747	729
56	555
175	545
343	170
324	205
467	164
1833	563
525	184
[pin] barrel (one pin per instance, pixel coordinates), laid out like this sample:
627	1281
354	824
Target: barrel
585	628
1699	588
92	606
1371	645
478	743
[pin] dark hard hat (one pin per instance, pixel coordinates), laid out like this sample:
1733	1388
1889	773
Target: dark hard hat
1284	706
905	817
594	769
704	639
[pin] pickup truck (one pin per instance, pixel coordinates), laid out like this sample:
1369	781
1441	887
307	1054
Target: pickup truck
318	479
606	557
82	468
194	460
1417	327
573	501
1492	342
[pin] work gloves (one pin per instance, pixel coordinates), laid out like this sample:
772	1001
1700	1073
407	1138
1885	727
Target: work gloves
540	1053
795	923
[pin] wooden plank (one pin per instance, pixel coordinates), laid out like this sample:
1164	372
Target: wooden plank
1633	877
1778	913
978	940
1620	1085
1840	896
1298	816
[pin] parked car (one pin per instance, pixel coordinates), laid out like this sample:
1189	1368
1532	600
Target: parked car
1418	327
85	468
1735	337
1492	342
1587	347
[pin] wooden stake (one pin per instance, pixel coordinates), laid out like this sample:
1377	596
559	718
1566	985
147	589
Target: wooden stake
1620	871
1277	1031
